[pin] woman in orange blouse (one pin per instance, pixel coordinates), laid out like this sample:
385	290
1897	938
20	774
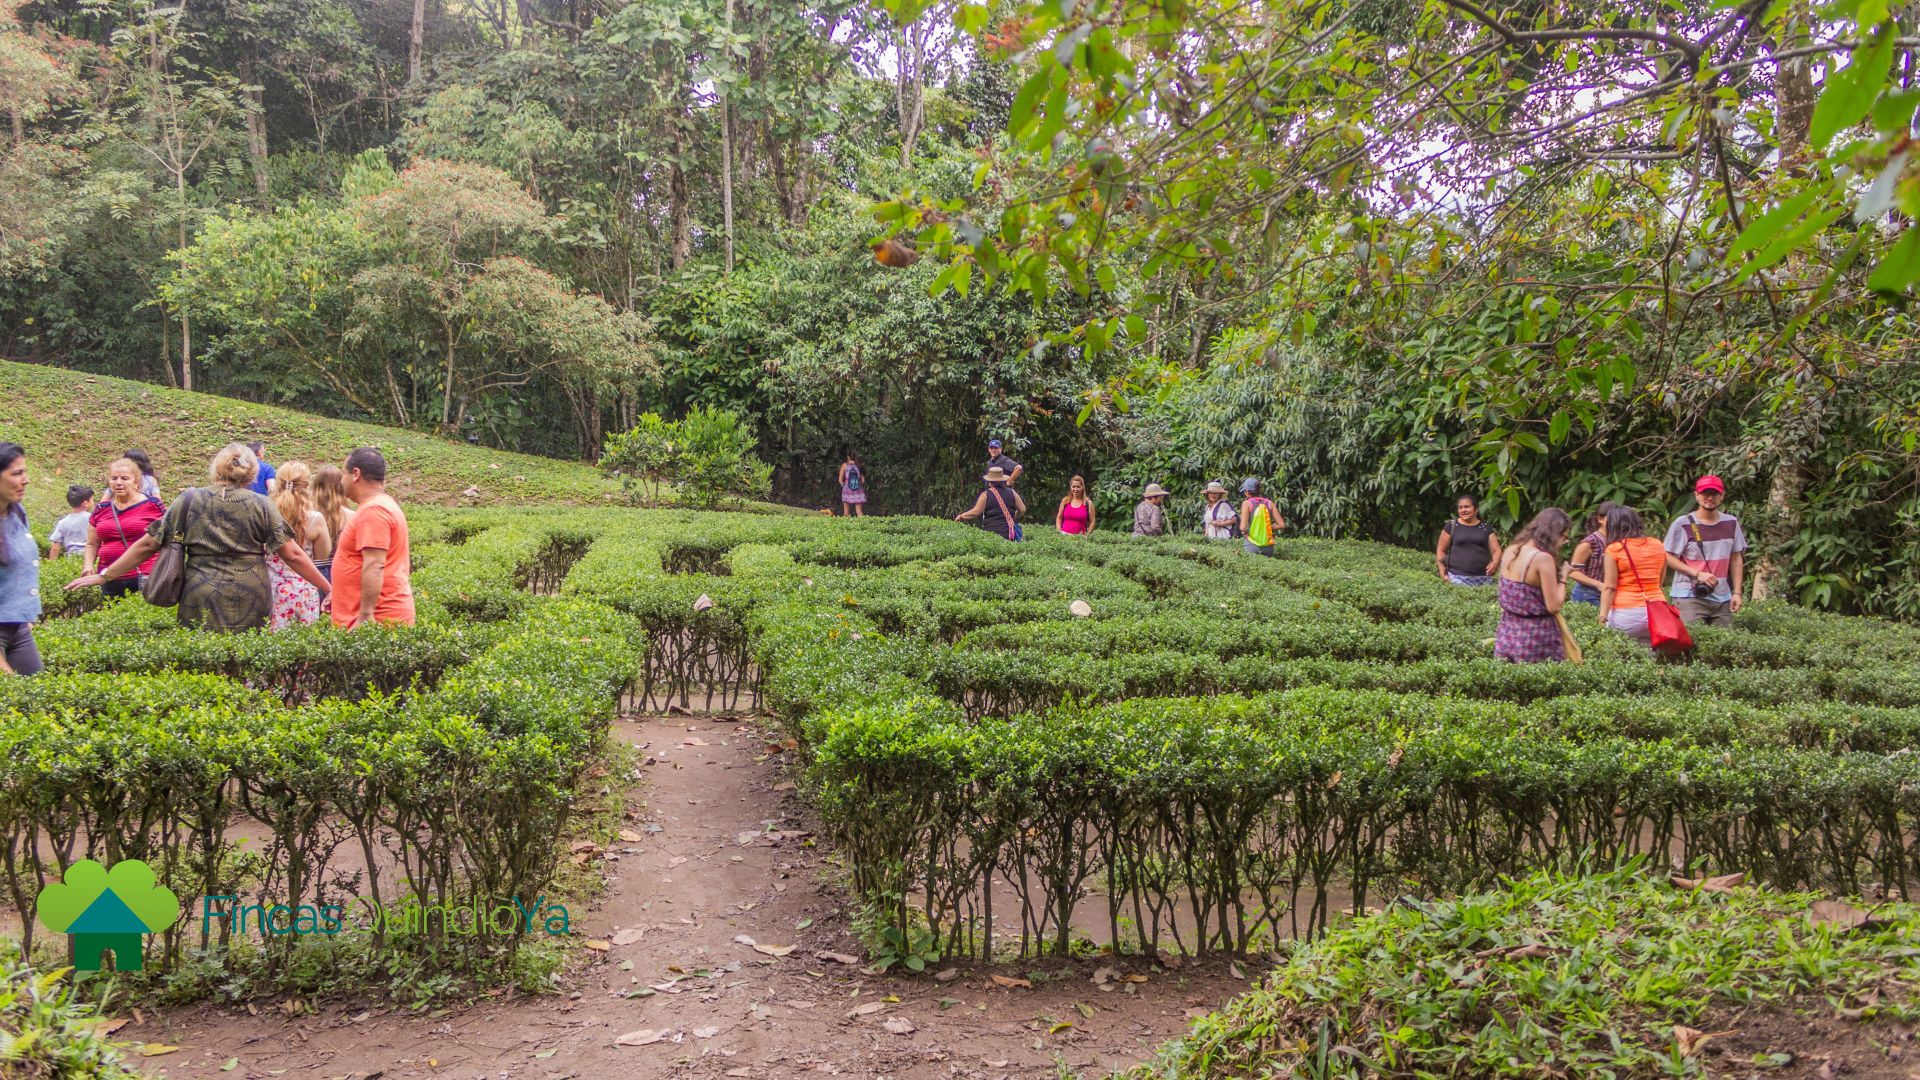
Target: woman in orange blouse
1634	573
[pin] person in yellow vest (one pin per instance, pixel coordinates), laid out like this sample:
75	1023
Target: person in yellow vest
1260	520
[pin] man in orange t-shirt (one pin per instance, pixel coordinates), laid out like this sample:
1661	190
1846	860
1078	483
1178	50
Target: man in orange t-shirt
371	573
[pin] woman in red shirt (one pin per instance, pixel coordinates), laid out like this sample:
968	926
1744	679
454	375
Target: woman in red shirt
117	522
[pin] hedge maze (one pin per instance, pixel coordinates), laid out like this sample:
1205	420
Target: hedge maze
1226	752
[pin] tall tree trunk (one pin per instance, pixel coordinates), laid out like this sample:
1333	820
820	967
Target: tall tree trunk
726	153
1783	500
1793	87
416	40
186	329
256	133
19	127
679	196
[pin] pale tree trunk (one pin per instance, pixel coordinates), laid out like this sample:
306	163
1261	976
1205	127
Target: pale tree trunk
726	154
256	133
19	128
416	40
1792	125
186	329
1783	501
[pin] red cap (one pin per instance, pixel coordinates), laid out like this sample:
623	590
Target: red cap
1710	482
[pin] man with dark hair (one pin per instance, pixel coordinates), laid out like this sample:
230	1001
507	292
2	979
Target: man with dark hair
371	580
1711	543
263	478
998	459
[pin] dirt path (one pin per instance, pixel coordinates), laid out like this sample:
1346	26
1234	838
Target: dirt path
723	862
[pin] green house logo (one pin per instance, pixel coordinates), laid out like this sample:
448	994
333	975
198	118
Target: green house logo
103	909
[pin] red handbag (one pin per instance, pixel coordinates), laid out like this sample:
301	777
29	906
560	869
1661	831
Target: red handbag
1666	630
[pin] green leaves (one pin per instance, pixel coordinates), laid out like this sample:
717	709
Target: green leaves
1850	92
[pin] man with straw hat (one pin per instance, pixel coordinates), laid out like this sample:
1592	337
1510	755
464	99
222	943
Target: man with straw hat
1150	517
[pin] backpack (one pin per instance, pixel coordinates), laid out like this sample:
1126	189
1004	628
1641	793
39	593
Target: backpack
1260	524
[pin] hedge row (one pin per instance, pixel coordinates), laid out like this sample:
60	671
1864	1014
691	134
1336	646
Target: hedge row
463	788
963	727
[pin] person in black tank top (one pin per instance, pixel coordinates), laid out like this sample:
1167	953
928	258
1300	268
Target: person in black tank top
1469	549
998	507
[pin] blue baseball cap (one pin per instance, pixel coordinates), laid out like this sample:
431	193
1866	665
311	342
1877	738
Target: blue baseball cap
993	444
1249	485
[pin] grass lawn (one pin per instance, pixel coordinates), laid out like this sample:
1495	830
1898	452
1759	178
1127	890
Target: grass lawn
73	424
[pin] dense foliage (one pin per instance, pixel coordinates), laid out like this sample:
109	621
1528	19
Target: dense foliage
1377	252
1614	975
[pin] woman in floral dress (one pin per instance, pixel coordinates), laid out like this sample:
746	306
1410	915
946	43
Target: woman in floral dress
294	600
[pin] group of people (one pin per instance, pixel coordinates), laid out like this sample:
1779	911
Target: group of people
263	547
1615	566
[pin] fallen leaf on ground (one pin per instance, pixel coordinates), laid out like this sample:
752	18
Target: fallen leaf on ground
775	950
579	846
1009	982
1722	883
108	1027
1532	951
946	975
643	1037
705	1032
899	1025
1085	1010
1134	978
630	836
1060	1027
1103	975
630	935
156	1049
1836	913
836	958
1690	1040
868	1009
599	946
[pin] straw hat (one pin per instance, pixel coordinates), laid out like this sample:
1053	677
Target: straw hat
995	475
1215	487
1156	489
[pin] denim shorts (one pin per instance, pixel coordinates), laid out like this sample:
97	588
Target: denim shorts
1584	594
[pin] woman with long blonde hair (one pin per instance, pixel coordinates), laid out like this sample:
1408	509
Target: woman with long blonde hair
294	600
330	498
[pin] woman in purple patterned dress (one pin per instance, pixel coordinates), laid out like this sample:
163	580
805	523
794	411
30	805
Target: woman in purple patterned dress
1531	592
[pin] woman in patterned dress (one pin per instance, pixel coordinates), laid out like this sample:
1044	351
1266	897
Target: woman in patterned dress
228	531
295	601
1531	592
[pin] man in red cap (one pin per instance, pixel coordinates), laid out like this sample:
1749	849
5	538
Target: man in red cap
1714	546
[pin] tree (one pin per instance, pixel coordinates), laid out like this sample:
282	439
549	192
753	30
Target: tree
1562	219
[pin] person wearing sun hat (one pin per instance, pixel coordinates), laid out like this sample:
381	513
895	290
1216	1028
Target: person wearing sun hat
1713	546
998	507
1218	519
1150	517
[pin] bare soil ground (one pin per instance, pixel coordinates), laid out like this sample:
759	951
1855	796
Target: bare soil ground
715	923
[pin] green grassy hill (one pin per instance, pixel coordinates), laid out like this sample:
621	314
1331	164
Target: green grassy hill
73	424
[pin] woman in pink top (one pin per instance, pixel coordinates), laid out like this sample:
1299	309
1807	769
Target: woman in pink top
1075	516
